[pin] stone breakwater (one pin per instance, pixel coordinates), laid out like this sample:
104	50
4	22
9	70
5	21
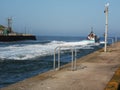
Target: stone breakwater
93	72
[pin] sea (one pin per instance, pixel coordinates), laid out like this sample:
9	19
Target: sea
24	59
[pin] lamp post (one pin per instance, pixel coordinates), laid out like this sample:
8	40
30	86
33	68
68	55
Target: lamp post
106	26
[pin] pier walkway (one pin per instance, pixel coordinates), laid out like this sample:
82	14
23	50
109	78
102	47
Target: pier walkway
94	72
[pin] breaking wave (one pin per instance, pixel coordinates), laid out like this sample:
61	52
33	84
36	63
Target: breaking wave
30	51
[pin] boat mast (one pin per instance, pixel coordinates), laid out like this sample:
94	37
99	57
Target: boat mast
91	29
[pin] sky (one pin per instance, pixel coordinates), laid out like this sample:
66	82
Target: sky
61	17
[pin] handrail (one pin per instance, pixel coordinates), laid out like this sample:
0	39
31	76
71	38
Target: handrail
111	40
73	62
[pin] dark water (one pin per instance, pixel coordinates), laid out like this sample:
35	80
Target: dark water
21	60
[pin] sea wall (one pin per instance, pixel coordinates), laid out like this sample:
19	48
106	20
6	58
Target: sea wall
11	38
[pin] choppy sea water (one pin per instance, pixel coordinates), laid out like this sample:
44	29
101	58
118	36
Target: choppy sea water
24	59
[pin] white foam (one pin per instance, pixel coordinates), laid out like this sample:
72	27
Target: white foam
23	52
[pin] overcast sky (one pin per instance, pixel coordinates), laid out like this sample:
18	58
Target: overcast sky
61	17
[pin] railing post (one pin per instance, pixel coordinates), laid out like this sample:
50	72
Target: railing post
116	39
72	64
54	59
75	59
59	58
112	41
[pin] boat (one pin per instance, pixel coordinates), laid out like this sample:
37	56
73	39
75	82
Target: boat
93	37
8	35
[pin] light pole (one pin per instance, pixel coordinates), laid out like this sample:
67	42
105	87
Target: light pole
106	26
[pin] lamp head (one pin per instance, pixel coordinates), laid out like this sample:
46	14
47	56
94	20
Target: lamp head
107	5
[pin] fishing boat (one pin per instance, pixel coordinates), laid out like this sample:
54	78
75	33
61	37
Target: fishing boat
93	37
8	35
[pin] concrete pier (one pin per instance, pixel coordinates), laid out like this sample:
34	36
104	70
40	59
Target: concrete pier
94	72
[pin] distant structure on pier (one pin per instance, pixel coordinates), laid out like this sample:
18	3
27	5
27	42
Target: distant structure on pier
8	35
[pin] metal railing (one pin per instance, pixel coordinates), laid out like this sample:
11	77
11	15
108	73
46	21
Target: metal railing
73	56
116	39
112	40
